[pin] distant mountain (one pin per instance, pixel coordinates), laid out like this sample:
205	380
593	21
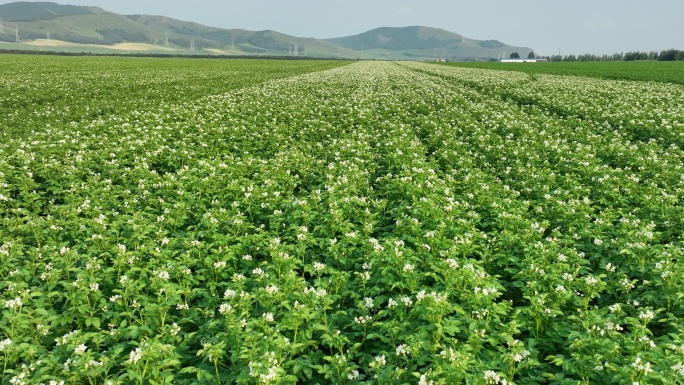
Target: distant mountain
396	39
55	27
425	42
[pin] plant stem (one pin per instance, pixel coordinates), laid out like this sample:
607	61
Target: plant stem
218	378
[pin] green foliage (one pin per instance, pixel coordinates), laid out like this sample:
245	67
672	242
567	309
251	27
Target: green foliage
213	222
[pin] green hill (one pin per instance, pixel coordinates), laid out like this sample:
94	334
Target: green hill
55	27
70	28
395	39
94	28
236	40
425	42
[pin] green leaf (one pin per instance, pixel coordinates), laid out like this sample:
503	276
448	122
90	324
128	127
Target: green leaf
42	312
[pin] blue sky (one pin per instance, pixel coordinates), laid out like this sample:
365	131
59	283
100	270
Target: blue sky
548	26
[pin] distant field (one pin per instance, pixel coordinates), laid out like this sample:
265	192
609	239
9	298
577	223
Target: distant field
39	90
43	43
664	72
71	48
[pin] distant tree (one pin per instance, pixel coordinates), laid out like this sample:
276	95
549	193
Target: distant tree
636	55
531	55
670	55
666	55
515	55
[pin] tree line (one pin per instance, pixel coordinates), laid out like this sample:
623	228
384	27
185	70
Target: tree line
666	55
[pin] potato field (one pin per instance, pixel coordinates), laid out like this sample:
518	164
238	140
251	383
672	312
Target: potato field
314	222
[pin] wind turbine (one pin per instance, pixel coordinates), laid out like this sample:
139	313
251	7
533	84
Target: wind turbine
16	33
2	29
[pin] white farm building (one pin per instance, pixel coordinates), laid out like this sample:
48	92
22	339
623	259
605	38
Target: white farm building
522	60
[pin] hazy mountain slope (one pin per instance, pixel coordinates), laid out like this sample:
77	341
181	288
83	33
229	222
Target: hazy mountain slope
38	23
396	39
31	11
425	42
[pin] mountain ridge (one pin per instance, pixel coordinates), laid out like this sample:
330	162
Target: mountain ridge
53	26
